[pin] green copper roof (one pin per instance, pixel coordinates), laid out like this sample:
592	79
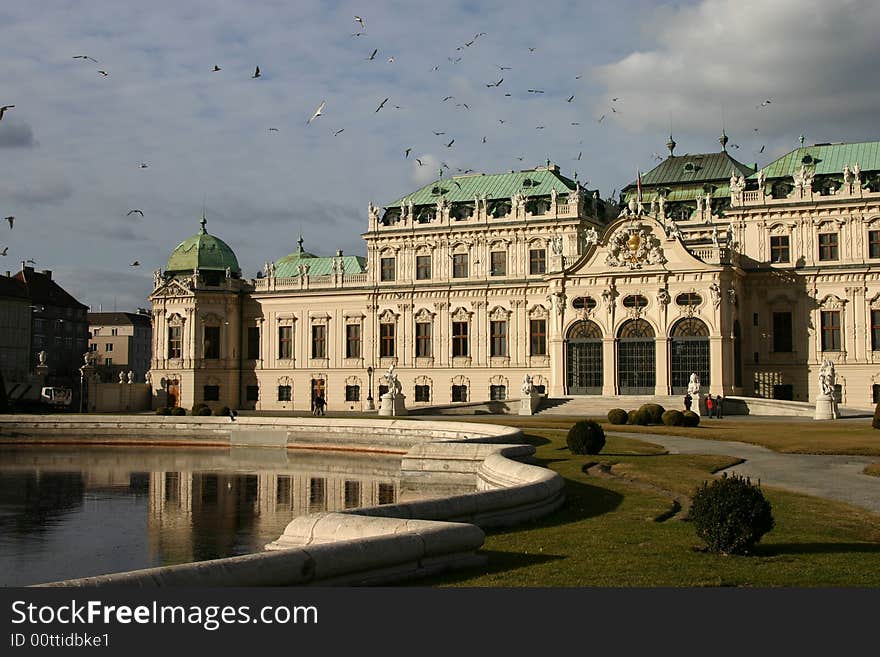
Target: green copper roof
288	266
202	251
697	168
493	185
826	159
690	193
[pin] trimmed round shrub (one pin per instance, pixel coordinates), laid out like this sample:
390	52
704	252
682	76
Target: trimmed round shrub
618	416
876	421
731	514
203	411
197	407
654	412
163	410
673	418
586	437
631	417
691	419
177	410
223	411
642	418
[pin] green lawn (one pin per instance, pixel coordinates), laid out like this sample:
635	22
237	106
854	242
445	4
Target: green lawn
796	436
606	533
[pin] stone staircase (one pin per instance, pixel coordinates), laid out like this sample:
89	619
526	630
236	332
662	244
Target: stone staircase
595	405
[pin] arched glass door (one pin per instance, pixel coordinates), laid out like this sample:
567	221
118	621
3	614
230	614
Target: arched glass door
584	359
636	358
689	353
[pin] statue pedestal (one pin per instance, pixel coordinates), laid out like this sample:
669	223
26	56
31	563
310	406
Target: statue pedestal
698	403
826	408
529	403
392	405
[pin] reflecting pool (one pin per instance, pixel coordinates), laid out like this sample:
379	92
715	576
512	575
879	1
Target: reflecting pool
70	512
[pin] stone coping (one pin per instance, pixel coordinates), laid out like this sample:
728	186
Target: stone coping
419	535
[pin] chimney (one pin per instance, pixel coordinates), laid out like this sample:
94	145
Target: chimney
47	273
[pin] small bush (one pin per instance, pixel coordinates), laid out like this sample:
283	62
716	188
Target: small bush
654	412
642	418
586	437
163	410
631	417
876	421
618	416
197	407
731	514
203	411
223	411
177	410
673	418
691	419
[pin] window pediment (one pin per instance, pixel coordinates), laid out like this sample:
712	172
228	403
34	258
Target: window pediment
388	316
461	315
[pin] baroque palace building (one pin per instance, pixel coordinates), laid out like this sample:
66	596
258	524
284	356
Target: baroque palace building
750	278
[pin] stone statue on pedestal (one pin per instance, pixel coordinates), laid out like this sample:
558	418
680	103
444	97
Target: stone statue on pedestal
826	401
527	386
693	391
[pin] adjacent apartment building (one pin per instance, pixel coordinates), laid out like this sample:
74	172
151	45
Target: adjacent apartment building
120	342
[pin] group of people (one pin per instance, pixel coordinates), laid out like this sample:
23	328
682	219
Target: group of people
318	403
714	405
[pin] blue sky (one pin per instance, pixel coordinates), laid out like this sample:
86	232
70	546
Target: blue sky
71	149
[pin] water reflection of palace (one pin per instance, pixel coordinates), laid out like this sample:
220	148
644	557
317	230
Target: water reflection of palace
205	515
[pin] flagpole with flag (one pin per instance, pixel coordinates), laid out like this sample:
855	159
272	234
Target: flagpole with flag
639	185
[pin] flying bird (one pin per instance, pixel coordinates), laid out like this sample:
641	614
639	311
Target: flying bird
531	50
407	152
454	61
535	91
104	73
256	73
438	133
4	251
484	139
469	44
500	120
4	108
465	105
578	77
317	112
764	103
372	55
449	145
216	68
273	129
338	131
11	221
496	84
539	127
448	98
357	34
503	68
382	104
391	60
478	35
456	183
131	212
421	164
762	148
614	100
507	94
135	264
144	165
361	21
600	119
575	123
91	59
579	155
436	68
570	98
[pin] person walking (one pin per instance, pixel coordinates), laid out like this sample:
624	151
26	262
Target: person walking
687	401
319	404
710	406
719	406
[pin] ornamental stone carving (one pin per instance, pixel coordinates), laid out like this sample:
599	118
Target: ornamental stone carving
662	296
633	248
715	293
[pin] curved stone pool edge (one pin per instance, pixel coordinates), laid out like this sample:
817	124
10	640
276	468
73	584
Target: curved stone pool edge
373	545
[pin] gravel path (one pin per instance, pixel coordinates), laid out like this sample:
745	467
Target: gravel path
833	477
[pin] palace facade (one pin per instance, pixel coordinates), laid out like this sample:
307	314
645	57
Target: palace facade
750	278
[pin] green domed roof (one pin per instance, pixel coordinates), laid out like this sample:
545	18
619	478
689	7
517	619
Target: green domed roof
204	252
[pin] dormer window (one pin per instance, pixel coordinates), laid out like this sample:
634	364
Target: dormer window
436	190
690	167
527	183
807	159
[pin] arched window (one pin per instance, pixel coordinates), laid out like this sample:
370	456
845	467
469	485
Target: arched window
585	331
636	358
635	329
690	327
689	353
583	349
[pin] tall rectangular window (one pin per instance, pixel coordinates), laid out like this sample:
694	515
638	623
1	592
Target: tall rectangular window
782	332
537	261
830	330
498	338
317	494
875	330
459	338
284	393
386	269
212	342
498	263
319	341
827	246
874	243
779	251
460	265
352	340
497	393
352	494
459	393
423	267
352	393
423	393
253	342
174	333
285	342
423	340
538	337
386	494
386	340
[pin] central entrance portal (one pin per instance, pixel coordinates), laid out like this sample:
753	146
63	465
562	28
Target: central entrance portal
636	358
583	363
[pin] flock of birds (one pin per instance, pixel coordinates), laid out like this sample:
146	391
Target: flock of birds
321	108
